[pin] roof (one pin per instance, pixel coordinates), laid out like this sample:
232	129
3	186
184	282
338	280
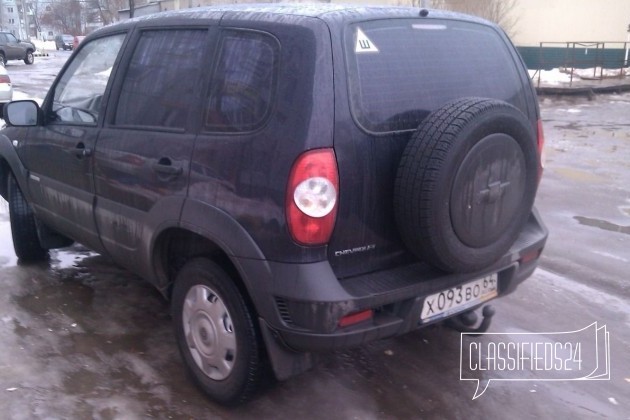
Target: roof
288	11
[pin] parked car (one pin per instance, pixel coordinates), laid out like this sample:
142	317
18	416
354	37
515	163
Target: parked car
299	179
6	88
77	40
12	48
64	42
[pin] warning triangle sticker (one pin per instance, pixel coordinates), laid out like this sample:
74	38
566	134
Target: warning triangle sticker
364	44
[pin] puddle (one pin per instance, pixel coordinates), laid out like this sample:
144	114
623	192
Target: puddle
70	257
603	224
577	175
570	126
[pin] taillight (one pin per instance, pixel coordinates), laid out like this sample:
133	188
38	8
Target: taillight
311	200
5	79
541	149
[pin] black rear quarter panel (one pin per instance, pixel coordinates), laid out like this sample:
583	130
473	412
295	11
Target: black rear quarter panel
245	174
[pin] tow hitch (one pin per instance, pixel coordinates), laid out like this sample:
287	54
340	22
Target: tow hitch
465	322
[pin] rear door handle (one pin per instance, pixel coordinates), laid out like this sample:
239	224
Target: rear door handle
165	167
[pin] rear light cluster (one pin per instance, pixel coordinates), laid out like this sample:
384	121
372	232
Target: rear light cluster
311	198
531	256
5	79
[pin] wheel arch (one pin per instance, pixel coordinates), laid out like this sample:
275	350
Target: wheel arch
10	163
205	231
175	246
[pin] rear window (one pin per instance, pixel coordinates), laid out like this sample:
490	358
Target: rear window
242	88
400	70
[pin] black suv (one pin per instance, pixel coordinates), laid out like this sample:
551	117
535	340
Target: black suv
12	48
295	179
64	42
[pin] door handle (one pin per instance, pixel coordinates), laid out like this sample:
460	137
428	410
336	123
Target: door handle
81	151
165	167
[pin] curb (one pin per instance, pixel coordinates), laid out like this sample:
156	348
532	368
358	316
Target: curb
589	91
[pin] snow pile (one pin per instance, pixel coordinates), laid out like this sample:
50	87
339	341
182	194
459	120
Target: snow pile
563	75
43	46
550	77
597	73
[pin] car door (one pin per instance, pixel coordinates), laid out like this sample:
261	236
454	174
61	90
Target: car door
59	153
13	48
143	154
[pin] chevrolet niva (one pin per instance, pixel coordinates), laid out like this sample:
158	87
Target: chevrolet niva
294	179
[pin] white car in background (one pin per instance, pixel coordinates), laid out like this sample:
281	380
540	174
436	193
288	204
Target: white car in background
6	88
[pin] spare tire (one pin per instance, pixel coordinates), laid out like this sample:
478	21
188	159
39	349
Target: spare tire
466	184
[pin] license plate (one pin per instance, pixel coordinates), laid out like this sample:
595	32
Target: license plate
458	299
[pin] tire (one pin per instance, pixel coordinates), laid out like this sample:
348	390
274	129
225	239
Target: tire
466	184
3	60
29	58
23	225
215	332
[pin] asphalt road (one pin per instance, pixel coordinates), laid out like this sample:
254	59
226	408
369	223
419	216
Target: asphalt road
82	338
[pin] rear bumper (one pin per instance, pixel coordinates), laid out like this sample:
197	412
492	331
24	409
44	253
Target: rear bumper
399	313
309	300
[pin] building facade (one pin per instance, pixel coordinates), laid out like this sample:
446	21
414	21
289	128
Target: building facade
573	33
12	18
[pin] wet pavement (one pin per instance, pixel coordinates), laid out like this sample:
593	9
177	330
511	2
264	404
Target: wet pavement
81	338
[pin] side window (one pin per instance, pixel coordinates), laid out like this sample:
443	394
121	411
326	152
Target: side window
79	93
162	80
242	88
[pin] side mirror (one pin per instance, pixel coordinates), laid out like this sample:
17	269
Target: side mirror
22	113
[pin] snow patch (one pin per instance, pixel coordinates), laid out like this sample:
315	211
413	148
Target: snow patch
563	75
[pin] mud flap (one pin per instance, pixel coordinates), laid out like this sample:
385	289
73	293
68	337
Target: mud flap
284	362
49	239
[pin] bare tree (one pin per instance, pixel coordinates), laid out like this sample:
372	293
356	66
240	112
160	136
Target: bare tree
500	12
412	3
64	15
107	10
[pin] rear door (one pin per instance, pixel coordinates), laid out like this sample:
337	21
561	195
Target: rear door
13	48
143	154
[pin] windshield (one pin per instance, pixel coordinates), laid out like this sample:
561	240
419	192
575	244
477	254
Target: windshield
400	70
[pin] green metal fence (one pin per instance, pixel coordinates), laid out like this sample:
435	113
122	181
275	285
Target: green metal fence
577	55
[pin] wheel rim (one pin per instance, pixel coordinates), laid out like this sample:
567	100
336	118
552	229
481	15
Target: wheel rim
30	57
209	332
